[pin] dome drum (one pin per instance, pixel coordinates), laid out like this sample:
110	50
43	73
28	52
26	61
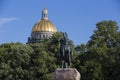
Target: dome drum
41	35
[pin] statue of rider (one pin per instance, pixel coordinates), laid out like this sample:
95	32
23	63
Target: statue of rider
65	51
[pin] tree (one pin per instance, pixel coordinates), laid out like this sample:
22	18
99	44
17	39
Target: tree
98	59
105	35
14	61
42	63
103	50
104	43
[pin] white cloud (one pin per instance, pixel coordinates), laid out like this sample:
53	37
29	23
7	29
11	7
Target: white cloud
6	20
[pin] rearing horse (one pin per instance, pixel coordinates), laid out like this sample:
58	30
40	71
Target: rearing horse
65	51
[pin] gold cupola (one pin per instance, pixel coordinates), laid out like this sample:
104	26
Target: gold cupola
44	24
43	29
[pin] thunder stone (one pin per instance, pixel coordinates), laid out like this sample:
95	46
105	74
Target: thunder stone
66	74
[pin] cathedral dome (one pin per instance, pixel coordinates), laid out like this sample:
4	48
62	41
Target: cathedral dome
43	29
44	25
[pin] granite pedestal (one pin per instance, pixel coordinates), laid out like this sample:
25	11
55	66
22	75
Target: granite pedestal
66	74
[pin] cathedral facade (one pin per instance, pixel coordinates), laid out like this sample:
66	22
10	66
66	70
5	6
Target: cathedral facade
43	29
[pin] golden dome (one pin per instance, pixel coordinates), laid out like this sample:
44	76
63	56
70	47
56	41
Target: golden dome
43	29
44	25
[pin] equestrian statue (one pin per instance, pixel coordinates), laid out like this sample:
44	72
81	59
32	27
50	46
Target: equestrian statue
65	51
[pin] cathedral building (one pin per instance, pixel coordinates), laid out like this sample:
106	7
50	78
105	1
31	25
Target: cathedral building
43	29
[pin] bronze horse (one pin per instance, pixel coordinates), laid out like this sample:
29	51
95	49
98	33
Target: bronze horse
65	51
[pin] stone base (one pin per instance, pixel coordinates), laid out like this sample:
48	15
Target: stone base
66	74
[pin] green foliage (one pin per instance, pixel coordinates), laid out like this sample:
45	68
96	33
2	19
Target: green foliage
98	59
14	61
101	53
42	62
34	61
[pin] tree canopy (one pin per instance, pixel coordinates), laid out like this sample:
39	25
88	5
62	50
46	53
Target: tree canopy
98	59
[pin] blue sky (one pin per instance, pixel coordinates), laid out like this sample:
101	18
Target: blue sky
76	17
